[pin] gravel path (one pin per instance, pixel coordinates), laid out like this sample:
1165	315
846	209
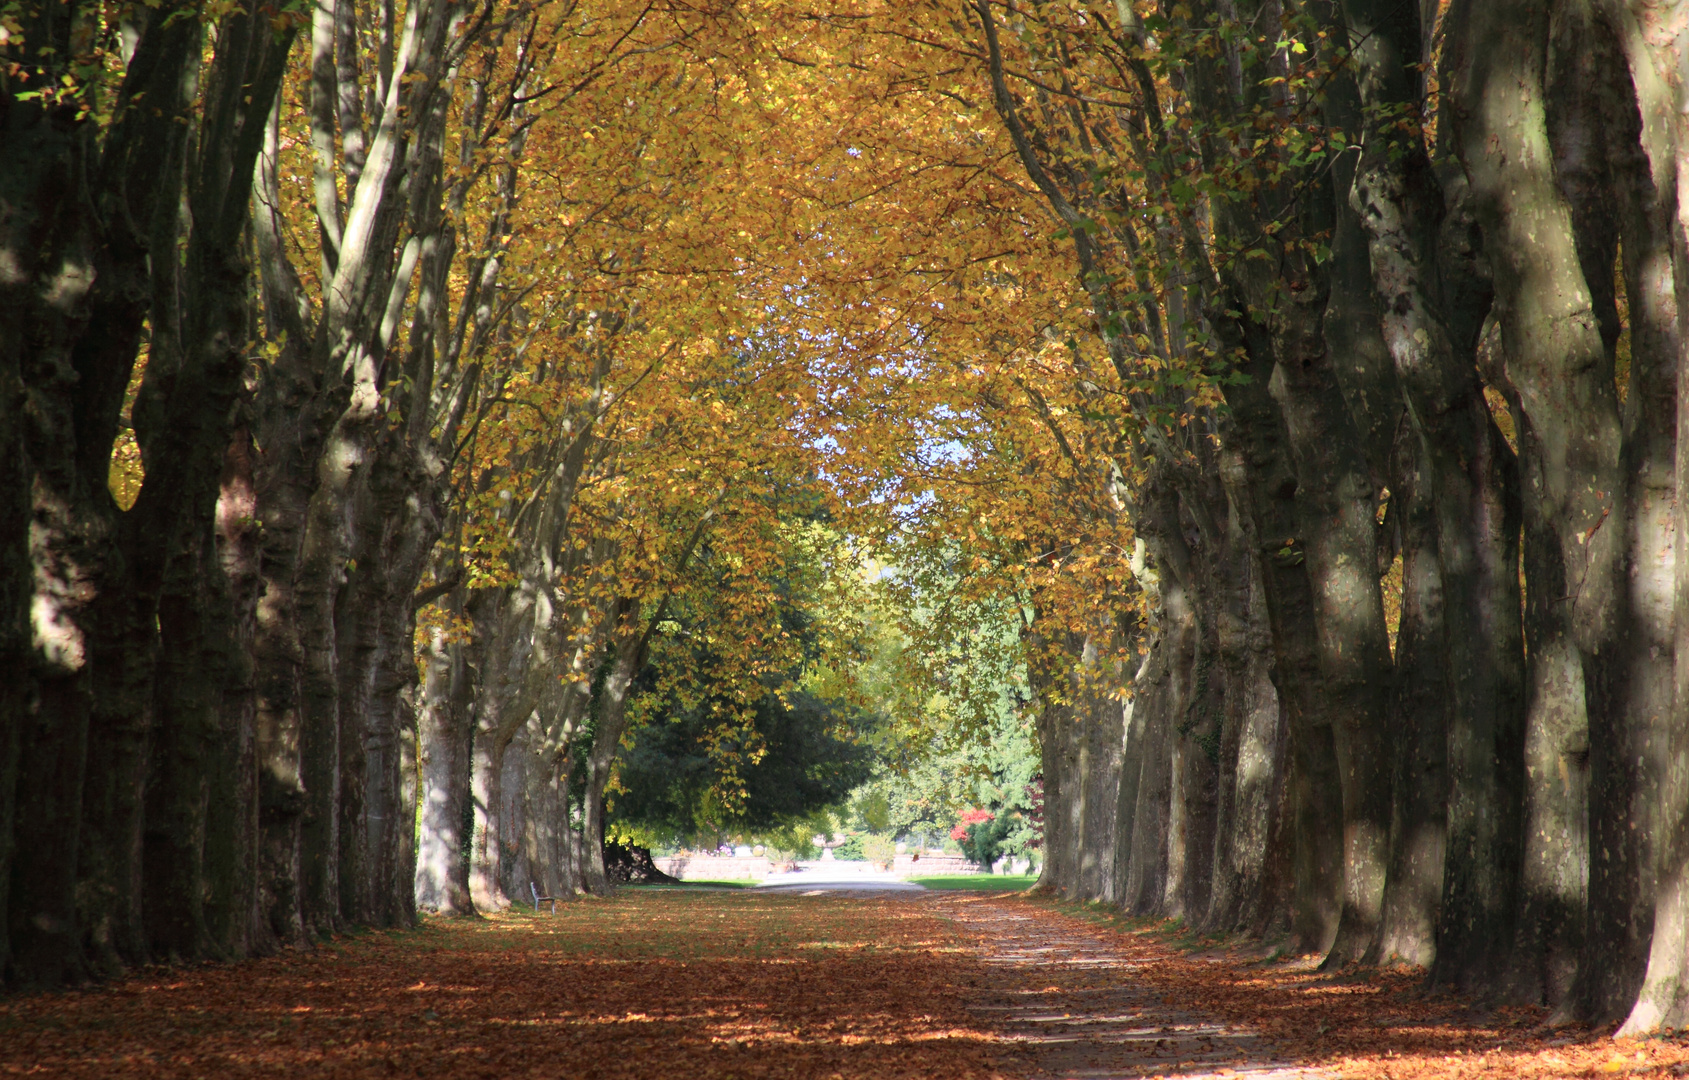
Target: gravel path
1068	1000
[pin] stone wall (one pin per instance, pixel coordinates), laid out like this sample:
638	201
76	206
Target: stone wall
737	868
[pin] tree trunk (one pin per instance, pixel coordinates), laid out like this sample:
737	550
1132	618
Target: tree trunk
1146	877
325	553
445	728
232	837
114	792
1419	784
15	580
1603	176
1084	786
290	436
387	829
1131	770
1560	366
516	834
1053	876
1195	769
1652	44
1337	506
613	700
188	697
1251	757
487	798
1314	791
358	612
1554	883
1433	303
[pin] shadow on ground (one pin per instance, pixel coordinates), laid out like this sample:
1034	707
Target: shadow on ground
759	983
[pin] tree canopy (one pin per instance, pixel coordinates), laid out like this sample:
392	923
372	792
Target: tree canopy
433	431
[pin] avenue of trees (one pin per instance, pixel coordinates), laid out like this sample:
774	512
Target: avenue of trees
402	402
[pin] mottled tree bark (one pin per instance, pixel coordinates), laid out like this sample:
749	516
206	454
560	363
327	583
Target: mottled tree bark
1251	759
445	727
1419	715
1433	303
1146	877
1651	37
1131	769
1314	790
1196	709
1337	505
1554	880
231	840
1559	364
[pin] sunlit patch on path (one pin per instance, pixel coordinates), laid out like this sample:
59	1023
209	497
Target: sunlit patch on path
1074	1001
1092	996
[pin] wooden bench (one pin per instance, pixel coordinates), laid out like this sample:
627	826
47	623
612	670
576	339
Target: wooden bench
538	899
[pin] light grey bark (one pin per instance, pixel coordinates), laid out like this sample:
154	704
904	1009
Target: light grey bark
1433	299
444	733
1251	777
1132	734
1652	38
1147	873
1337	504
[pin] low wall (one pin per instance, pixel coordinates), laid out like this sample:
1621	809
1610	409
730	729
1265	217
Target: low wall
714	867
735	868
932	866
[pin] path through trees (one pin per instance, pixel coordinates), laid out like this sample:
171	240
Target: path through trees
743	983
1270	408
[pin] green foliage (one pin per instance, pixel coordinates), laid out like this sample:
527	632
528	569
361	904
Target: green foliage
805	761
983	843
873	809
795	839
737	744
946	678
879	849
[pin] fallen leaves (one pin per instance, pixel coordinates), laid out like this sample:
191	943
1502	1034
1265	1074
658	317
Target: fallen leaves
747	985
675	983
1366	1025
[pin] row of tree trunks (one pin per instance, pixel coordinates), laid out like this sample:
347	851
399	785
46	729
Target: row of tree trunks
109	758
214	749
1510	752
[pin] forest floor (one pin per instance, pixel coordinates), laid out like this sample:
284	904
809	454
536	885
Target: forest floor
736	984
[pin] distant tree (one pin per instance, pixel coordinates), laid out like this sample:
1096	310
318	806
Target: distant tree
806	761
735	740
981	834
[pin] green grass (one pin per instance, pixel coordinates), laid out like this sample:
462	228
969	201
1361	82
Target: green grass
990	882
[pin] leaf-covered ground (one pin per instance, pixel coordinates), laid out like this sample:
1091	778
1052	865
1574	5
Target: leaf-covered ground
671	983
743	984
1366	1026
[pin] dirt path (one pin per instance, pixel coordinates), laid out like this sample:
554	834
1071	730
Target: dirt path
1069	1001
769	985
1087	996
